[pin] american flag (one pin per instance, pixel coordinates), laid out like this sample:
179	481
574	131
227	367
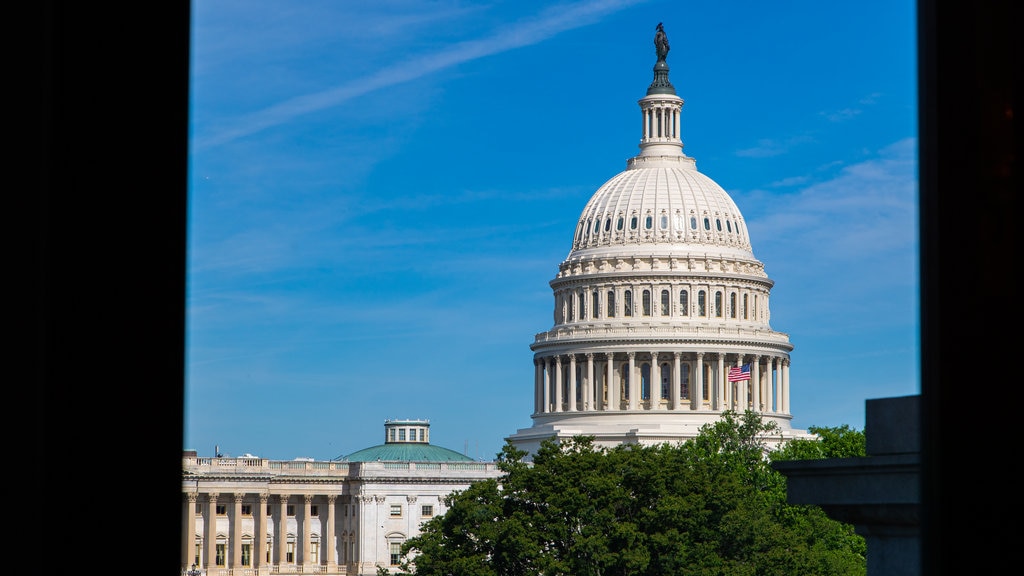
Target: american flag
739	373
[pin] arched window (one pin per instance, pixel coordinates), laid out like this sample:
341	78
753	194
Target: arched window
633	223
718	304
728	226
627	303
572	308
618	224
624	378
684	303
732	305
611	304
649	222
684	381
678	222
707	224
702	304
608	224
664	303
583	304
595	305
597	226
718	224
647	302
745	317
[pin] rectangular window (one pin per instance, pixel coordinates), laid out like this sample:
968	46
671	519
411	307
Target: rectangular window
314	552
718	304
627	302
222	509
289	555
247	509
647	302
664	303
396	510
401	434
199	508
221	551
290	510
427	510
268	510
611	304
198	558
595	304
246	554
396	553
314	510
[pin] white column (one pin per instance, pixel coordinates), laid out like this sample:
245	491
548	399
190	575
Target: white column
719	399
328	545
259	538
282	529
697	393
755	383
653	399
742	392
236	532
785	385
591	389
558	383
538	385
609	383
572	383
188	537
676	367
210	532
632	380
547	385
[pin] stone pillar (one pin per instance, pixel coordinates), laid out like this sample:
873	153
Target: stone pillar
572	383
259	538
547	385
742	392
633	387
609	383
558	383
282	529
188	536
697	394
538	385
591	389
328	545
236	532
654	382
210	532
302	548
755	384
676	381
785	385
718	400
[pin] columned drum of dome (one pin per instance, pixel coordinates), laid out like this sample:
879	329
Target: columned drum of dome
658	305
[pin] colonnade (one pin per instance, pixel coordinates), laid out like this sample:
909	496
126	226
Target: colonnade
611	381
661	120
249	546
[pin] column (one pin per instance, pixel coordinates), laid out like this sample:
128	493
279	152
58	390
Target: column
210	532
772	385
328	545
572	383
302	548
547	385
654	392
676	382
188	537
282	529
785	385
558	383
538	385
697	394
236	532
755	384
742	394
719	398
259	538
609	382
632	380
591	389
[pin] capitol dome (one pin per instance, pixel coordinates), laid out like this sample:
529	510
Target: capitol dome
661	310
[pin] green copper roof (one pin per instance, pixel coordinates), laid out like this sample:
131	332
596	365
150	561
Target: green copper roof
406	452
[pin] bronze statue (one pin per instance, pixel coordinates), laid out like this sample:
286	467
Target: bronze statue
661	43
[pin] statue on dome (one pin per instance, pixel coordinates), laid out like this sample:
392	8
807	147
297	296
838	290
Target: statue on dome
661	43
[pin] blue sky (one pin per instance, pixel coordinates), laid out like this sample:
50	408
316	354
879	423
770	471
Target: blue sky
380	192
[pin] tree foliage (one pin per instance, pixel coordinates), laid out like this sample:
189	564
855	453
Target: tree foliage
710	506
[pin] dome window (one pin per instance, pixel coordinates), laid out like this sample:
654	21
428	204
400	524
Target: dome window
611	304
607	224
664	222
664	303
718	224
728	226
684	303
595	305
627	301
632	223
702	302
649	222
718	304
583	305
732	305
679	222
693	222
597	226
618	225
647	302
707	224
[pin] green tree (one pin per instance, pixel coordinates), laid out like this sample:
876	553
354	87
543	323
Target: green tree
707	507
